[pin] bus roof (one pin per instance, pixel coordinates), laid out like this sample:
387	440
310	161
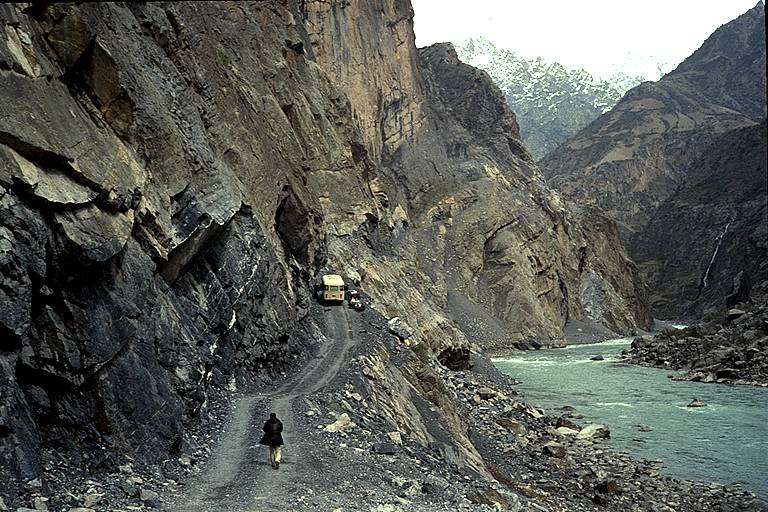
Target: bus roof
332	280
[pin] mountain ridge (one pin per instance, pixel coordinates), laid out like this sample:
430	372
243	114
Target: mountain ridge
552	102
631	160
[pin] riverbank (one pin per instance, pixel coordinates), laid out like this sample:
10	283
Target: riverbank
648	414
733	350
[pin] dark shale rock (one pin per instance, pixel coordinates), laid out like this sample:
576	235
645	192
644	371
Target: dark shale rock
173	176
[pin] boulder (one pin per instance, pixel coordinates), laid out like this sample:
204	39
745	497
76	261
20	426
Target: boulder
434	485
343	422
487	393
600	499
554	449
565	431
697	403
150	499
597	358
130	488
564	421
511	425
594	431
607	487
645	428
92	499
492	498
395	437
734	313
456	359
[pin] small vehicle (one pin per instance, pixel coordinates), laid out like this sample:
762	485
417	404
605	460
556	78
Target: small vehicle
356	303
332	288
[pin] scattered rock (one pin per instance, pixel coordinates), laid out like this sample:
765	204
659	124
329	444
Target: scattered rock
697	403
645	428
385	508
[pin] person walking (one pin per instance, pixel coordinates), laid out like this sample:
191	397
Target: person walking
273	438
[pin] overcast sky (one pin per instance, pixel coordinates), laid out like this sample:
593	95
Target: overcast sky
598	35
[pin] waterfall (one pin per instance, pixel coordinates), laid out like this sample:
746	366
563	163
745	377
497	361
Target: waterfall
714	255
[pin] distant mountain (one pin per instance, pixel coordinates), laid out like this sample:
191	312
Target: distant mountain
551	101
659	161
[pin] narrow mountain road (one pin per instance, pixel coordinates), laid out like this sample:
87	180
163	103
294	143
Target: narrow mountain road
238	476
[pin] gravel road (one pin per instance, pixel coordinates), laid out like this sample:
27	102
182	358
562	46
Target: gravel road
238	476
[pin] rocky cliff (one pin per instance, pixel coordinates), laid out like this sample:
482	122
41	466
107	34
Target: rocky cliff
660	141
172	176
707	243
552	102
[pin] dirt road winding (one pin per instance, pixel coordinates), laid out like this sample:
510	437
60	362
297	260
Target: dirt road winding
238	476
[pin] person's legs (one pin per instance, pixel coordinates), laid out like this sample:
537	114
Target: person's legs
278	454
272	456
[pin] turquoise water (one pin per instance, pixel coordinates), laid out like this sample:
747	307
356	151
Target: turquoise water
726	441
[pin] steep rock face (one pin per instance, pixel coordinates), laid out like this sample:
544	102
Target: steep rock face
551	102
156	226
647	148
488	242
173	175
708	240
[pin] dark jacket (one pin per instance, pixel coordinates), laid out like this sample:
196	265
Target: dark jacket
272	436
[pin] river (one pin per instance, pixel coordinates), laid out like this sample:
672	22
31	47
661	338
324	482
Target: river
726	441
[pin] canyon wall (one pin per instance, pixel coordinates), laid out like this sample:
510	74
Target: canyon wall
658	144
174	175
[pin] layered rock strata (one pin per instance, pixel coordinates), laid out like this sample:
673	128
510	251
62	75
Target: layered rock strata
172	176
